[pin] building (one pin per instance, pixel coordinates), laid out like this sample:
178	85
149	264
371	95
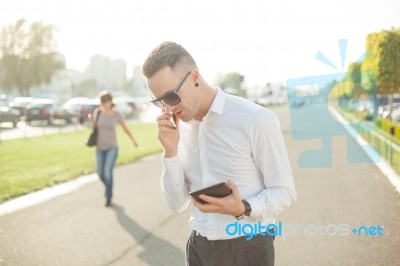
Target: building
107	73
139	86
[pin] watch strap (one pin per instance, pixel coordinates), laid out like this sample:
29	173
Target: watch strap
247	207
247	211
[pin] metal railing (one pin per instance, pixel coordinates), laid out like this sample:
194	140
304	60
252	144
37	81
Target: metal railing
389	150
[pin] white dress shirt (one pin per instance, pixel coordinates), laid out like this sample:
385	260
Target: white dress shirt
236	140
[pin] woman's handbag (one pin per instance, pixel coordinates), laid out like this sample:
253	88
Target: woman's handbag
92	141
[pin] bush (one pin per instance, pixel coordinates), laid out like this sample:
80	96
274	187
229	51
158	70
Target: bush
397	130
369	117
361	115
391	127
387	125
378	122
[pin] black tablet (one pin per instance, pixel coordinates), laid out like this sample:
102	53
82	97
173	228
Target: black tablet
220	190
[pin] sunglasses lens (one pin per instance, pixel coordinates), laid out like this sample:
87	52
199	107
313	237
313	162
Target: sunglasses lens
171	99
157	103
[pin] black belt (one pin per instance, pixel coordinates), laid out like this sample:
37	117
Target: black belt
238	241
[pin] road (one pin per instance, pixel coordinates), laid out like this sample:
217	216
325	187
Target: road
76	229
23	130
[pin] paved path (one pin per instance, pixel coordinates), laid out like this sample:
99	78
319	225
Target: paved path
76	229
353	194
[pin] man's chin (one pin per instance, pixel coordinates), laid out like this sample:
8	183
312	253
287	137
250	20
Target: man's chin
183	117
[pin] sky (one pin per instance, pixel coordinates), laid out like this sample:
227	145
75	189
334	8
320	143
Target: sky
266	41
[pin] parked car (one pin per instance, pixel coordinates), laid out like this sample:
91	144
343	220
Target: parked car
46	110
386	109
8	114
396	116
20	103
81	107
138	104
384	100
126	106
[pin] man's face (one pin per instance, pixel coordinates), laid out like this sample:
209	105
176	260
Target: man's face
166	80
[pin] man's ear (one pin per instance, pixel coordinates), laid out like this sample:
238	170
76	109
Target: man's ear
195	77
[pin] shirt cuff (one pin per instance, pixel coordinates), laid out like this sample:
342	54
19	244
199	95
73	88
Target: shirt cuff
172	169
256	208
172	162
260	208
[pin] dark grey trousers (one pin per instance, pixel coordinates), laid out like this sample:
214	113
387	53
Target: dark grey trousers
231	252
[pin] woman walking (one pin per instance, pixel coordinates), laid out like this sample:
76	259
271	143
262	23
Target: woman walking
106	119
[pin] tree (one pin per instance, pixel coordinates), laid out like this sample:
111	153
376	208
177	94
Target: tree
231	82
86	88
353	72
369	65
383	63
352	80
389	63
27	56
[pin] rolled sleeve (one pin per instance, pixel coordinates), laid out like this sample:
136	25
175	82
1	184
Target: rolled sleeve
271	159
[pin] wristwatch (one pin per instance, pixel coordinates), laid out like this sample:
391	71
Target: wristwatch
247	211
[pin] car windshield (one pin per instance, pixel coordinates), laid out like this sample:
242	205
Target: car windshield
41	105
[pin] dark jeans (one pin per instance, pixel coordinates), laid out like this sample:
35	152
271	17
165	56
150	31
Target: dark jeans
105	161
231	252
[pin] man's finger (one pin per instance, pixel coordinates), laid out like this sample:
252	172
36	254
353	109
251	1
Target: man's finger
177	121
205	207
166	130
198	205
232	185
212	200
164	116
165	123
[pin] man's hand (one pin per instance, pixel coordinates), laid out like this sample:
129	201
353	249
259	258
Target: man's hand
168	135
232	204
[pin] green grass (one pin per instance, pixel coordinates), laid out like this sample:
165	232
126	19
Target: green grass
32	164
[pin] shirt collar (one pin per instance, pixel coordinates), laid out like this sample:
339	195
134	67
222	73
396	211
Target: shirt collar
218	104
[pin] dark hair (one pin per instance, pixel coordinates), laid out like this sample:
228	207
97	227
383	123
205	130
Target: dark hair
105	96
168	54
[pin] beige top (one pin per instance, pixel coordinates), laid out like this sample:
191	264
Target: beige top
106	125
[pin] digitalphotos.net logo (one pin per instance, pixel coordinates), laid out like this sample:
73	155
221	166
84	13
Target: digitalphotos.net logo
312	117
298	229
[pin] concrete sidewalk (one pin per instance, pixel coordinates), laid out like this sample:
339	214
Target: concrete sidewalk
76	228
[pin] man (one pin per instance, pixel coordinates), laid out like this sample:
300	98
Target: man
216	138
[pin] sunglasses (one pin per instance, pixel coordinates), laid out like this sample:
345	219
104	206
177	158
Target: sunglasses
171	98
